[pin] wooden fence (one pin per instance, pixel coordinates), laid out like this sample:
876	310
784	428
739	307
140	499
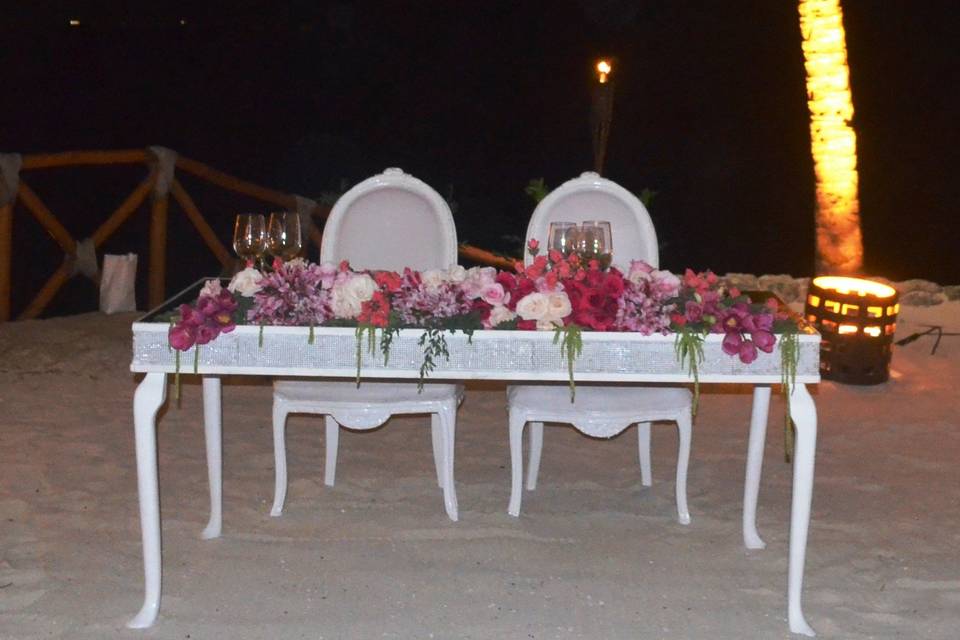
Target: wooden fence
159	184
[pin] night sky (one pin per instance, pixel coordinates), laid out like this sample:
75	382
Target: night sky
478	98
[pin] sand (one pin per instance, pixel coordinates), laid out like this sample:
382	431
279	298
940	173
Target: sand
593	555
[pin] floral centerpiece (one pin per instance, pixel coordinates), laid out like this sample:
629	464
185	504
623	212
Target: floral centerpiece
564	294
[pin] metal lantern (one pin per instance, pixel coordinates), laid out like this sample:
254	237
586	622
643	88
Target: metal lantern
857	319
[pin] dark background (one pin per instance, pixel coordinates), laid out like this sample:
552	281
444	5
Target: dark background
477	98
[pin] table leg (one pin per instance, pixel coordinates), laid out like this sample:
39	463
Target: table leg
804	414
212	419
147	400
751	485
448	418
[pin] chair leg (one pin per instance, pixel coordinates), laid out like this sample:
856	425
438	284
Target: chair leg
643	444
437	439
536	449
333	446
517	421
279	458
684	430
448	431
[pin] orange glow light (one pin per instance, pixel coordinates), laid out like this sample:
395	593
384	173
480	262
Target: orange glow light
832	140
842	284
604	69
847	328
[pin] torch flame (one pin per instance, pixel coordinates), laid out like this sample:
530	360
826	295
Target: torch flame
604	69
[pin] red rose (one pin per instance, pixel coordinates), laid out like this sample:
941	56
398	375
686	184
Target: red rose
388	280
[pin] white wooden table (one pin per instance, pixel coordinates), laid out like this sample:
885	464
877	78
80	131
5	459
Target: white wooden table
489	355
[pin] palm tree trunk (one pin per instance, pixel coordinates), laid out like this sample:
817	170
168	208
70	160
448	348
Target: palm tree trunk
832	139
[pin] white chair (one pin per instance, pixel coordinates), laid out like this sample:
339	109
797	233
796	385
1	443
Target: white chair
389	221
600	411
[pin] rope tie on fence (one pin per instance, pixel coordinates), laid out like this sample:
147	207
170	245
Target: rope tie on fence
10	164
164	160
305	208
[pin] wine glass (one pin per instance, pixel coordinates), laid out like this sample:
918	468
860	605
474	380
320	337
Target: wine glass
249	236
563	237
284	234
596	238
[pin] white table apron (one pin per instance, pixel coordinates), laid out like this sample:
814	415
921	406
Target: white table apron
489	355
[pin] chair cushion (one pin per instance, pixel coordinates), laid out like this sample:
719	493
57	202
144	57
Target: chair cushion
297	391
599	399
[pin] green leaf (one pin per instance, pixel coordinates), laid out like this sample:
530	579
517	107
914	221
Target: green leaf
434	345
570	339
789	360
176	375
689	349
536	189
386	341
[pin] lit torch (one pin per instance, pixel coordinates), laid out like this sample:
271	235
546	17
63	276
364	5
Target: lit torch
601	113
603	70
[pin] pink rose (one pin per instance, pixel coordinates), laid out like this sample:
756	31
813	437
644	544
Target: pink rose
493	294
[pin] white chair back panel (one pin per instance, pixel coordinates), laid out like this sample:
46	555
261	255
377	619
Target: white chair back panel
591	197
391	221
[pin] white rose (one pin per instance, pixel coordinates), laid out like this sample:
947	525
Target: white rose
558	306
349	295
500	314
246	282
456	274
533	306
433	279
211	288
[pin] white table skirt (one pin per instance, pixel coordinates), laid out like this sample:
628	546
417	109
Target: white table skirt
488	355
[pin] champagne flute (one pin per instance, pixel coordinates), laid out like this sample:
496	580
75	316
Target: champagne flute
249	237
284	234
563	237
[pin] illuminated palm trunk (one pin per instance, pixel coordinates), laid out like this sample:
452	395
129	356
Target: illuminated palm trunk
832	139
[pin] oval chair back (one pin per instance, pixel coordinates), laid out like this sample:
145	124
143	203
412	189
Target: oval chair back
390	221
591	197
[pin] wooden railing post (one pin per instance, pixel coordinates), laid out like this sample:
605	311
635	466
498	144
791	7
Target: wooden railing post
10	164
164	161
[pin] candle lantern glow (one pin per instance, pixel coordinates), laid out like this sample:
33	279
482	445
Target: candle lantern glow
857	319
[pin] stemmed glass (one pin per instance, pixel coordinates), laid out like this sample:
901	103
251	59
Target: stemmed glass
284	234
249	236
596	241
595	237
563	237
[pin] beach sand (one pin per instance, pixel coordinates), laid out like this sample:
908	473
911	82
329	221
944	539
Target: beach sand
593	554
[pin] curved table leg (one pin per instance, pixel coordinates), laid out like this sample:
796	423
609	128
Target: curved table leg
448	422
751	486
804	414
212	419
147	400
